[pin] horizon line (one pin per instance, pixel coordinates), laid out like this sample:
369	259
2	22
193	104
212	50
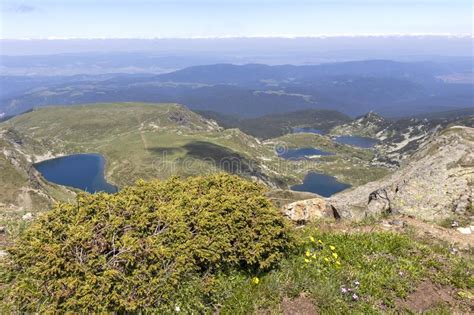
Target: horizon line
314	36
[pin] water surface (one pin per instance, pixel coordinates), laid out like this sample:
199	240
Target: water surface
82	171
320	184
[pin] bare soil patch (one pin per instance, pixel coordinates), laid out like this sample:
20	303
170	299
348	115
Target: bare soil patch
299	306
428	295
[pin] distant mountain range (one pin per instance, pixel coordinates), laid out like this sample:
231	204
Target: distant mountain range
353	88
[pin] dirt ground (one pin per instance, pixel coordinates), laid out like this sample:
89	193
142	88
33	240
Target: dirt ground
426	296
298	306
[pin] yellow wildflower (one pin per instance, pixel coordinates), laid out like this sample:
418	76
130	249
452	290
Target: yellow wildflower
308	253
320	242
314	256
334	255
326	259
332	247
312	239
338	263
255	280
306	260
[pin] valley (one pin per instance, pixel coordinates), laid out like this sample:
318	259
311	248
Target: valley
145	141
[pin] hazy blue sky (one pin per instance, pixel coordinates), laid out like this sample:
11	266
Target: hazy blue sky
208	18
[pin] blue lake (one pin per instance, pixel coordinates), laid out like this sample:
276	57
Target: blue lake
361	142
308	130
302	153
320	184
82	171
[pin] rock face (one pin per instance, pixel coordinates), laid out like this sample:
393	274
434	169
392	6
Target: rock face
309	210
398	139
21	185
434	184
368	125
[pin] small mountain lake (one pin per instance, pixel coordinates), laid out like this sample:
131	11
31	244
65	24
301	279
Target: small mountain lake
82	171
302	153
320	184
307	130
357	141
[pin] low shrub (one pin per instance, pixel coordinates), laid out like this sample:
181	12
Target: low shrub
136	249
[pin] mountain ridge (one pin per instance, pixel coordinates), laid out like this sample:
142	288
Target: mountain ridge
434	184
353	88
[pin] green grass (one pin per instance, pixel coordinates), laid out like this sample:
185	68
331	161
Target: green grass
387	266
14	225
131	136
349	164
135	137
20	185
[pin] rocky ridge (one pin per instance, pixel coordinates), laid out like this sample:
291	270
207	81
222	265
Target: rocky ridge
22	187
434	184
398	139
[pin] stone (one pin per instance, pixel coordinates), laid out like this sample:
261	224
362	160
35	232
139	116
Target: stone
3	254
28	216
309	210
433	184
464	230
282	197
398	223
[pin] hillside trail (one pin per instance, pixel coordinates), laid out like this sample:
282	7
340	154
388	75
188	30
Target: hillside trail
140	130
142	136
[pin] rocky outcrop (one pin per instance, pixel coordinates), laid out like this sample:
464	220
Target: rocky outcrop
21	185
398	139
283	197
368	126
434	184
310	210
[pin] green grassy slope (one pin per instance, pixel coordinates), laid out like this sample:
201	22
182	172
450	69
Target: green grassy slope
22	189
160	140
349	164
138	140
21	186
355	273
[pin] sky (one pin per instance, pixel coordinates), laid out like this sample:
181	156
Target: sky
37	19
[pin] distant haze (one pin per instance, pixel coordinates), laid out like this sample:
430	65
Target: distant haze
346	47
96	56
